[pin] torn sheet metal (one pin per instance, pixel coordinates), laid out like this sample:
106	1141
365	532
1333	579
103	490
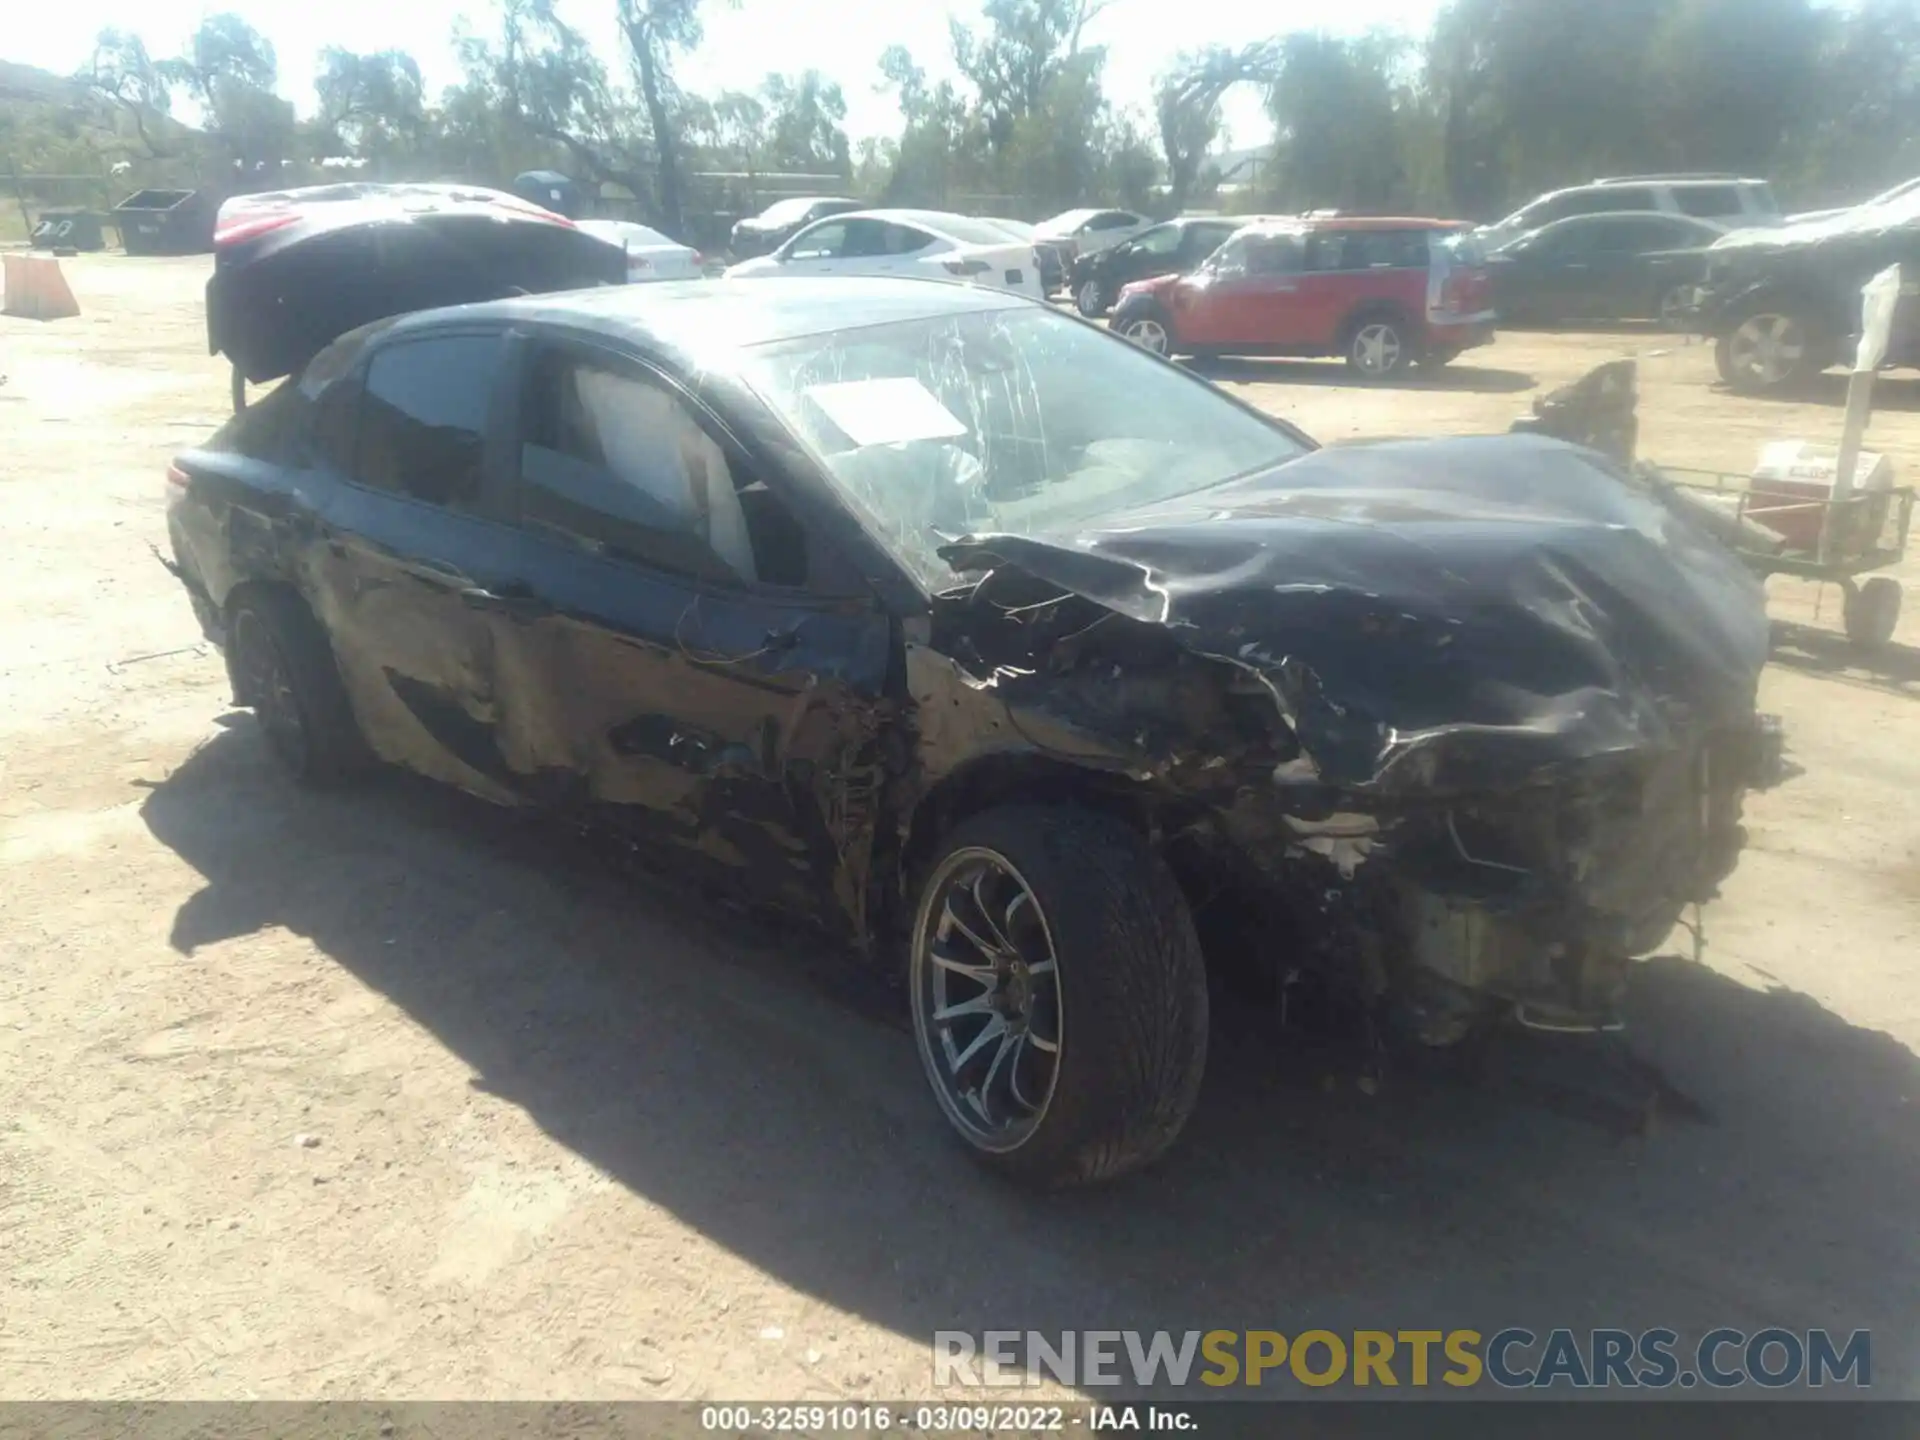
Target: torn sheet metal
1437	616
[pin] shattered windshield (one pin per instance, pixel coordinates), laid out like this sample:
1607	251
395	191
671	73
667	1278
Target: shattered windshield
1015	421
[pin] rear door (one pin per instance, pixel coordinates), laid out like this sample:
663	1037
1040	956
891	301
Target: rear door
1630	264
703	672
412	542
1348	269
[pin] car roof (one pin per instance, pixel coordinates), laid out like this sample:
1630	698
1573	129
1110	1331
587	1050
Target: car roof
1666	215
1300	225
697	317
1070	219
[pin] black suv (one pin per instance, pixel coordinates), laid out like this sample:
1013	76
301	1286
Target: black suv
1782	305
1175	248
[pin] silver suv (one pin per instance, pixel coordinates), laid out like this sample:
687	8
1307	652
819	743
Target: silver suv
1724	199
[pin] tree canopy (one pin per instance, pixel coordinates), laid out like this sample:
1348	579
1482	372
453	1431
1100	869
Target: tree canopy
1500	100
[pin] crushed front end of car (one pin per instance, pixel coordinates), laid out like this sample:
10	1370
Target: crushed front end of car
1465	724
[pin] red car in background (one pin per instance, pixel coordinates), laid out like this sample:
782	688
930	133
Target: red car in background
1383	293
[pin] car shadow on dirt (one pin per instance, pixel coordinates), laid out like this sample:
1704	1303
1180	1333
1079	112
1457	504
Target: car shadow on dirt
1815	651
1766	1175
1891	392
1476	378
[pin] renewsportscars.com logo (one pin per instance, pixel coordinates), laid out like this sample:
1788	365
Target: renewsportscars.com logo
1511	1359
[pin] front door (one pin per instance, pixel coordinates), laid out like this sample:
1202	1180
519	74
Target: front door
697	678
1246	297
418	534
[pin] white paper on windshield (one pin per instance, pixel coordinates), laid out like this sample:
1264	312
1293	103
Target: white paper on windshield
892	411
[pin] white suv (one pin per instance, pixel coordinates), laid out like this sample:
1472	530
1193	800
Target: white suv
1724	199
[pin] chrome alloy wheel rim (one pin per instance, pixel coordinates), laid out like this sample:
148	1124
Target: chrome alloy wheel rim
1377	349
1148	335
986	999
1768	349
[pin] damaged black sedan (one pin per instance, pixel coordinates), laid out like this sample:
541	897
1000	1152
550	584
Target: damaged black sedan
954	625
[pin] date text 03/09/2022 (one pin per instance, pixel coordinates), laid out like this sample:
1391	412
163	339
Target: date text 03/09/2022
936	1419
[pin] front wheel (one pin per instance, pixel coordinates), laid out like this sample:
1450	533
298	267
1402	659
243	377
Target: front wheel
1148	327
1379	348
1089	300
1059	995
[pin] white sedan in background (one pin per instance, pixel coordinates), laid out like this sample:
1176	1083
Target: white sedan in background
1087	232
927	243
650	255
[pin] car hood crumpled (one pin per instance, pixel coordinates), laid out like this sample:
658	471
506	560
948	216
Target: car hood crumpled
1436	615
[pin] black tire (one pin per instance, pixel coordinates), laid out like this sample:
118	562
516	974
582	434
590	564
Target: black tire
1146	314
282	668
1872	612
1090	299
1131	1019
1379	345
239	387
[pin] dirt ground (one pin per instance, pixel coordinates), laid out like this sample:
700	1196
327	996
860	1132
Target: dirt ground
378	1095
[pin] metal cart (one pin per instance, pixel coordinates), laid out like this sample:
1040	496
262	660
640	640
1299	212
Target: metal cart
1837	542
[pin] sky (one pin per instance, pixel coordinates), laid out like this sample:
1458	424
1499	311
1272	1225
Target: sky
840	38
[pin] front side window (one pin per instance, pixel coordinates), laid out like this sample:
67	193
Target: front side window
615	462
827	241
1012	420
423	418
1273	254
1162	240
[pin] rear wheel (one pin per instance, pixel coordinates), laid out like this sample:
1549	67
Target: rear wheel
1149	328
1674	307
1770	350
282	667
1089	300
1872	612
1059	994
1379	347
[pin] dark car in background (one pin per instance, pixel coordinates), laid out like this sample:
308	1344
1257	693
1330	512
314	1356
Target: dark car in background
1174	248
1603	267
766	232
1463	725
1782	305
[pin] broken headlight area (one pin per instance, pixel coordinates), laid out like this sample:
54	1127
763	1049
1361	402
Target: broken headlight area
1467	724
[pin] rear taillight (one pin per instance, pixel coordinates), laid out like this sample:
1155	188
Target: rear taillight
699	260
966	267
177	482
246	226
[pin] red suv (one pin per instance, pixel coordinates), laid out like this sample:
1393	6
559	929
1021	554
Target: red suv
1385	294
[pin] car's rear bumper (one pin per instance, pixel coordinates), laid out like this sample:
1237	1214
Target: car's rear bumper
1467	333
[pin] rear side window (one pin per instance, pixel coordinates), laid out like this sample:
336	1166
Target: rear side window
269	428
423	418
1368	250
1112	220
1708	202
